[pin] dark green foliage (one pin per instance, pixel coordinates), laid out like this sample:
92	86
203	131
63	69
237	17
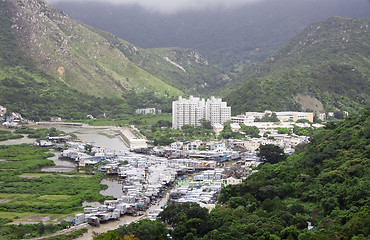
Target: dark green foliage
251	131
186	218
6	135
143	229
161	134
227	133
270	153
11	232
283	130
206	124
40	133
303	131
269	117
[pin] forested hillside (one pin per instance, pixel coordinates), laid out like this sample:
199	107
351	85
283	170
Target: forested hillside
324	68
323	185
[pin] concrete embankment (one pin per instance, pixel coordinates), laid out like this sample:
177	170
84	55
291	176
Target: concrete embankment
62	124
131	139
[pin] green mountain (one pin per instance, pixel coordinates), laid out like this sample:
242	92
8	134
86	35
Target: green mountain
184	68
78	57
52	65
324	68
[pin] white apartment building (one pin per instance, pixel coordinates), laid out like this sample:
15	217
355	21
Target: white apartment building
187	111
191	111
217	111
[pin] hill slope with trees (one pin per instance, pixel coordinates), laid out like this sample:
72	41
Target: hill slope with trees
324	68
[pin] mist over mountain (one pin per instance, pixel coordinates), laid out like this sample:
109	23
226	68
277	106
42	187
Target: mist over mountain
233	38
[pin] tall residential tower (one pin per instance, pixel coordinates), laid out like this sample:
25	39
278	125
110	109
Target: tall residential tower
190	111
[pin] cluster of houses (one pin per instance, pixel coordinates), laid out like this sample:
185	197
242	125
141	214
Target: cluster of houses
146	178
13	120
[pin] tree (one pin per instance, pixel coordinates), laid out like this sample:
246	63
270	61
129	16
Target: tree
271	153
144	229
111	235
164	123
251	131
206	124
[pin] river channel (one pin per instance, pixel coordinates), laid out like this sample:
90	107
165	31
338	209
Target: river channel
103	137
99	137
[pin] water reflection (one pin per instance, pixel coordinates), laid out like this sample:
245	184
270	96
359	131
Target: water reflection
60	165
114	186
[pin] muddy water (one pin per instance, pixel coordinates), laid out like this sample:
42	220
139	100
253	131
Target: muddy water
114	187
99	137
60	165
25	140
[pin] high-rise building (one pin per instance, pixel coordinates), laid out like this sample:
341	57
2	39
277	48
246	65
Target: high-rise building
191	111
217	111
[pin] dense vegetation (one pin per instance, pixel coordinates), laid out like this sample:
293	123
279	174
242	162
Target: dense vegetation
11	232
162	134
5	135
38	96
324	68
325	184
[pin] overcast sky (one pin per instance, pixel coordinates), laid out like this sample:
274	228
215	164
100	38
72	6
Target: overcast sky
173	5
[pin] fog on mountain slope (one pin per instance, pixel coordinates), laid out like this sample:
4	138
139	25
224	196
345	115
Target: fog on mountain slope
170	6
233	38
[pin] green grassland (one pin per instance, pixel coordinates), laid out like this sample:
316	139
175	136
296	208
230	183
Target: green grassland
25	192
149	119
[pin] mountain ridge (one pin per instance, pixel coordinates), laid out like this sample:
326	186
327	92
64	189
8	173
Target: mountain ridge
328	62
233	38
56	42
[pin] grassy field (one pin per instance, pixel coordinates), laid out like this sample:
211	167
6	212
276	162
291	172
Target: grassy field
149	119
25	192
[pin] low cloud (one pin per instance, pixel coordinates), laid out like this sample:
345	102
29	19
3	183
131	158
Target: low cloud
172	6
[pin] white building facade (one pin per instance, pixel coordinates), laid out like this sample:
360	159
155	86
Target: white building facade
191	111
217	111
